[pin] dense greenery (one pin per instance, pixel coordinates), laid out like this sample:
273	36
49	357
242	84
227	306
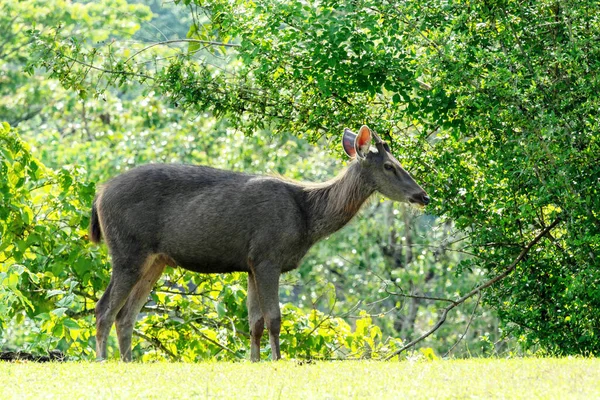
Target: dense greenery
490	105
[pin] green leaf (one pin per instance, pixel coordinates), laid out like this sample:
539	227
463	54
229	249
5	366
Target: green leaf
70	323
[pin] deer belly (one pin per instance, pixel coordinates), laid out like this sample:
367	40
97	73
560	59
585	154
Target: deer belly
213	266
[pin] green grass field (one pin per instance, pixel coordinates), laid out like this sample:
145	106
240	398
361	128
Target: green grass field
476	378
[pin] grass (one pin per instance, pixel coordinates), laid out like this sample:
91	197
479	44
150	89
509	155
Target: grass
475	378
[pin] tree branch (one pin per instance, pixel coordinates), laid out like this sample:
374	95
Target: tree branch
478	289
415	296
156	342
205	42
112	72
466	329
199	332
411	296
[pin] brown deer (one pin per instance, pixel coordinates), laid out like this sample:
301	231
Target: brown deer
213	221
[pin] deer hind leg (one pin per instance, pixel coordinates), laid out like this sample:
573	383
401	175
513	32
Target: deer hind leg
266	278
126	317
125	274
255	318
102	324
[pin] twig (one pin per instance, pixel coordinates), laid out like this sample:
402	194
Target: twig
412	296
466	329
415	296
156	343
379	314
199	332
112	72
203	294
478	289
205	42
317	326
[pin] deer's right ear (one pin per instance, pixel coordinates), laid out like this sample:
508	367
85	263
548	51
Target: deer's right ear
348	141
363	141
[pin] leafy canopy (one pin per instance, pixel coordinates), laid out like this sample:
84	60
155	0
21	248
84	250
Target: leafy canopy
492	105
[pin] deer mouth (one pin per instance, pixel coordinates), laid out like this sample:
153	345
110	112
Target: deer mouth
420	199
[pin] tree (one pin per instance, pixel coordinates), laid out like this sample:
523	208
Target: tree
51	282
492	104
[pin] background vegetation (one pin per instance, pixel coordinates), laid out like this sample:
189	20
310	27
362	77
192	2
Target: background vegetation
493	106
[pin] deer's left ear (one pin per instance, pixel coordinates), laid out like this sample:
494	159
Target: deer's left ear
348	142
363	141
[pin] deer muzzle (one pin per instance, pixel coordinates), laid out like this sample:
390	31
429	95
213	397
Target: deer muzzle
421	199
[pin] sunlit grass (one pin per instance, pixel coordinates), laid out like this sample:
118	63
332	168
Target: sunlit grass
476	378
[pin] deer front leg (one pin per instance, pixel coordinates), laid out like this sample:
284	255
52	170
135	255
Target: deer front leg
255	319
266	279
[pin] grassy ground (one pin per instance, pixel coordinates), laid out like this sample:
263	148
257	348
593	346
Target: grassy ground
477	378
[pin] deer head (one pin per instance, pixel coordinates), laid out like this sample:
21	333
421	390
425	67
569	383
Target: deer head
385	172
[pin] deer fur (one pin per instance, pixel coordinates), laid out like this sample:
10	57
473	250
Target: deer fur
214	221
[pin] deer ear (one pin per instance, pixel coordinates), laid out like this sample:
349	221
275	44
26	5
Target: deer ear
363	141
348	142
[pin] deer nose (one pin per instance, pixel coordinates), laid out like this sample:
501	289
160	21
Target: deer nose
425	199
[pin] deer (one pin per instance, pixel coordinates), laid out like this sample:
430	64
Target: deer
211	221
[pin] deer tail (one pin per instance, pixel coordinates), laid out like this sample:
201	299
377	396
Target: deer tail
95	230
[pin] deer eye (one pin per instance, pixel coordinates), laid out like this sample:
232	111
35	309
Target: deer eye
388	167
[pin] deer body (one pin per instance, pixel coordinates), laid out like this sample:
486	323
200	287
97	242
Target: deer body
213	221
207	220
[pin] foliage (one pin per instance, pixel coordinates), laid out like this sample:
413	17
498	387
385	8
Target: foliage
51	278
44	260
522	78
24	96
193	317
492	104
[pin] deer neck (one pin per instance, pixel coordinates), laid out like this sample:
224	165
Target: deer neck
332	204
